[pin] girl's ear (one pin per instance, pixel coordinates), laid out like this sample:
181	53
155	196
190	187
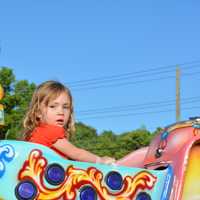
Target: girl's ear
39	115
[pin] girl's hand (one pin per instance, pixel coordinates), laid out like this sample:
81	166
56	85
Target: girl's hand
105	160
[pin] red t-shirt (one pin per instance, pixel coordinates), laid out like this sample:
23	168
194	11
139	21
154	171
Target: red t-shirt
47	135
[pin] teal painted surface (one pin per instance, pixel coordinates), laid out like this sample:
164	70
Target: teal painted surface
12	166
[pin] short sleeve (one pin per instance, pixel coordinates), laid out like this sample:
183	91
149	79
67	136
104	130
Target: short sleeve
47	134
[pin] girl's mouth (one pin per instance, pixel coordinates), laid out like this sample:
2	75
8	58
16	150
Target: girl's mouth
60	122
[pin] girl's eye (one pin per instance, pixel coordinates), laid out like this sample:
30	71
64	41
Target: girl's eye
66	107
51	106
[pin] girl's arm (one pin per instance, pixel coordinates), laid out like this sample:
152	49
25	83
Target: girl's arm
134	159
75	153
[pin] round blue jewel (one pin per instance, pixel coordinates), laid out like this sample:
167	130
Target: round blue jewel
55	174
25	190
88	193
114	180
143	196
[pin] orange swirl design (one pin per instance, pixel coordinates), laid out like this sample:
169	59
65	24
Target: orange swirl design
34	169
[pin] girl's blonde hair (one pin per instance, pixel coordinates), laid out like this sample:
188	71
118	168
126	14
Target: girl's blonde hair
45	93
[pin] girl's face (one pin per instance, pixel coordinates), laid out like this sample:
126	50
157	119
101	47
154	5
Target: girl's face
58	111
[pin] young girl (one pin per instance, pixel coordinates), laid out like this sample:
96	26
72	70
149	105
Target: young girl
49	121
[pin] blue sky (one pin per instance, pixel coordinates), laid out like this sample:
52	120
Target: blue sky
123	53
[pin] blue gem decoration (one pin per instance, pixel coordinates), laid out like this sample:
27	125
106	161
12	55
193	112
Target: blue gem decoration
88	193
7	154
143	196
196	126
114	180
55	174
25	190
164	135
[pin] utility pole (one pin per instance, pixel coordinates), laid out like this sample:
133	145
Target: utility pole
1	107
178	111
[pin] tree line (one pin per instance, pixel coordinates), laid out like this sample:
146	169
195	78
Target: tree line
16	100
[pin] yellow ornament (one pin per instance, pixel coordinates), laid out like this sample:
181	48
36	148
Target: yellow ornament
1	92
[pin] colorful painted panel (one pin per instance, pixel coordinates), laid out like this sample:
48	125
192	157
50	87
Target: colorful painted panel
35	172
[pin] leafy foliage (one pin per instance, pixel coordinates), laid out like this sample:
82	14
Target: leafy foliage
85	136
16	100
107	143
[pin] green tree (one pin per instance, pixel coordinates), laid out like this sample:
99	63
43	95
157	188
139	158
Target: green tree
106	144
130	141
85	136
17	97
109	144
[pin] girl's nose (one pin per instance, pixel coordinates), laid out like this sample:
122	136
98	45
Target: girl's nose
60	110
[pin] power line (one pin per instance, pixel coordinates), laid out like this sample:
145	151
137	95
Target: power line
132	75
131	114
131	83
108	78
121	80
136	106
